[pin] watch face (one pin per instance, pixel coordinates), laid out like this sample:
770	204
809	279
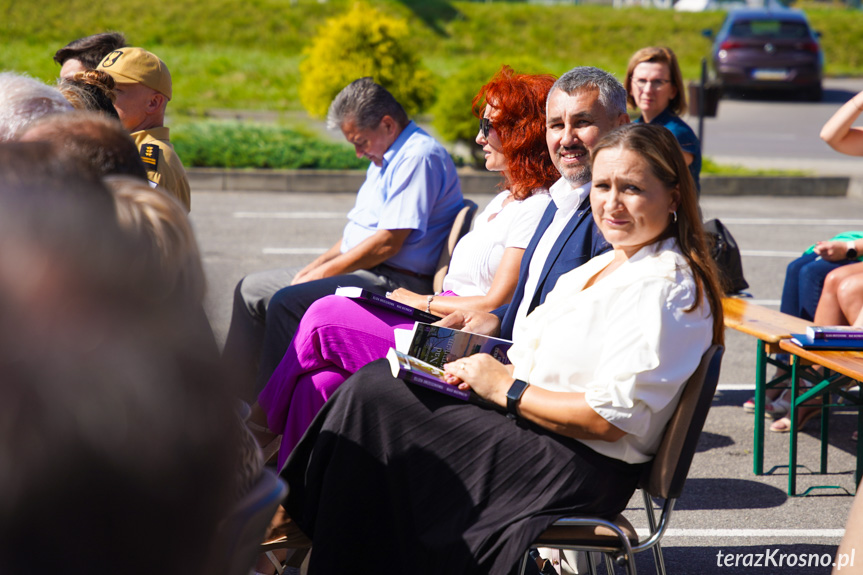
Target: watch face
851	254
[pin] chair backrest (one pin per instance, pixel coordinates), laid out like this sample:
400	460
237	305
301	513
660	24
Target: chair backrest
666	474
460	227
240	535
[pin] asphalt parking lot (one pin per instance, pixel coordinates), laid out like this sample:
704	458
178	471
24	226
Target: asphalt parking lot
725	509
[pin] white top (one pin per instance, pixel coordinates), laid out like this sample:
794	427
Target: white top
625	342
478	253
567	199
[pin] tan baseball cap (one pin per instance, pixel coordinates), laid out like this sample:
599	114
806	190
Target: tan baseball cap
137	66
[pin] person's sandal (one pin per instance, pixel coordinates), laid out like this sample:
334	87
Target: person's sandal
775	408
783	425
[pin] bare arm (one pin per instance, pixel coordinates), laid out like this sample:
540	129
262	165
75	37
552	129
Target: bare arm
317	262
502	288
688	158
834	251
839	134
372	251
565	413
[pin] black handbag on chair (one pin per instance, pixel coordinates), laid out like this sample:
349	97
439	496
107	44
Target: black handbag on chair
726	254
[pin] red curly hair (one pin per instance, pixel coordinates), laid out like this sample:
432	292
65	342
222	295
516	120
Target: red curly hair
519	103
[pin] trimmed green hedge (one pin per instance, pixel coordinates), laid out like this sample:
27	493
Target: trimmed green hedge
241	145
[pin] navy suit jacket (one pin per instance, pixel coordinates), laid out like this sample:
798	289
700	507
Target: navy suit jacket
579	241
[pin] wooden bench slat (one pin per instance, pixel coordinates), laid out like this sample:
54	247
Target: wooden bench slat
847	362
766	324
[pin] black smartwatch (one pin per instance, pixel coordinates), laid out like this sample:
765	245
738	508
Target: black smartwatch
513	396
851	252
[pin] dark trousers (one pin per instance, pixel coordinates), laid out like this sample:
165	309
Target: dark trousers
267	311
804	281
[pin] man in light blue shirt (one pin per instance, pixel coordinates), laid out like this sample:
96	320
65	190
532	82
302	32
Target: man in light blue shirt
394	235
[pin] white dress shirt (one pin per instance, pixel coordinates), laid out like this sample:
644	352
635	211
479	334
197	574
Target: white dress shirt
567	199
627	342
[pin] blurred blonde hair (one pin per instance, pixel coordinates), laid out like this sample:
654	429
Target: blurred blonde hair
160	224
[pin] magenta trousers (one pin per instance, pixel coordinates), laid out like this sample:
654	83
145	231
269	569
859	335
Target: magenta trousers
335	338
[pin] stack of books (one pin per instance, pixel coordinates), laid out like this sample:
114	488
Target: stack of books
839	337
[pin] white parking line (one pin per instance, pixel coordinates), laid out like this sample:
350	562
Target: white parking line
790	222
760	533
736	387
294	251
773	302
769	254
291	215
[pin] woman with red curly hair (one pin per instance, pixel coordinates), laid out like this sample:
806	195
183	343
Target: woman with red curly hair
338	335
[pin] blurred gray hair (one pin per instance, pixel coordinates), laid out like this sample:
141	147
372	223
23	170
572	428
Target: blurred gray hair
24	99
366	103
612	94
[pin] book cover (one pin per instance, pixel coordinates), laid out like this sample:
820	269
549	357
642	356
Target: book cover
834	332
803	340
421	373
439	345
379	300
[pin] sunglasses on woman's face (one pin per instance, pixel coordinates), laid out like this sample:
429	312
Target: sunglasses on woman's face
485	126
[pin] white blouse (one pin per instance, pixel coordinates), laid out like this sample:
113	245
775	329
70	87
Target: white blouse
626	342
477	255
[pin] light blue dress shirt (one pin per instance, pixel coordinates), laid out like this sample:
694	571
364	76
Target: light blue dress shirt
415	188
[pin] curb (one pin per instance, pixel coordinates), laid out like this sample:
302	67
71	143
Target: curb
472	182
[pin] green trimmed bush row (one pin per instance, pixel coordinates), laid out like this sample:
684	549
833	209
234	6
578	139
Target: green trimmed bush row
242	145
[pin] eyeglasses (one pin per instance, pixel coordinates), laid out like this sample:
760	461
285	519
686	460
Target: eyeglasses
485	126
658	84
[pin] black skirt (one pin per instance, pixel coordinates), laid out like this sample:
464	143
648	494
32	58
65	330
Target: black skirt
394	478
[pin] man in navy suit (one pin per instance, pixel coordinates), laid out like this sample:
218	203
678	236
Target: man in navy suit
583	105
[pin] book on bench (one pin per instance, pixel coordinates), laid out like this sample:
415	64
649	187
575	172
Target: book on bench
806	342
383	301
834	332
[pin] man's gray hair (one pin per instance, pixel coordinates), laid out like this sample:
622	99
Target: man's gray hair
366	103
22	100
612	94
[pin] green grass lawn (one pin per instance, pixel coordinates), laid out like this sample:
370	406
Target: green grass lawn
225	54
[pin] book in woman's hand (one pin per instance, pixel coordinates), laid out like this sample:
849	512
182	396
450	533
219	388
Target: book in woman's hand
439	345
421	373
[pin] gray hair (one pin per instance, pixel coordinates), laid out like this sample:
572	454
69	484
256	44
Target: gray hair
24	99
612	94
366	103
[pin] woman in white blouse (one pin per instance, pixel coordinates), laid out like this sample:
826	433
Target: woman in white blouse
337	336
454	487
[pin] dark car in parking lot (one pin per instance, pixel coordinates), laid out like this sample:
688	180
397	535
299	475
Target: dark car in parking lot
770	50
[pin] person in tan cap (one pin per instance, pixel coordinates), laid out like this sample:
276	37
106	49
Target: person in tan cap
143	88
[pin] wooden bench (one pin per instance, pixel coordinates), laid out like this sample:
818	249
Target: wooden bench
769	327
840	369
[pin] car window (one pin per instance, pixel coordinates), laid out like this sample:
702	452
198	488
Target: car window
769	29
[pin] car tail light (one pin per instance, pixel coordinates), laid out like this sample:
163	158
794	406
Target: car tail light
730	45
810	47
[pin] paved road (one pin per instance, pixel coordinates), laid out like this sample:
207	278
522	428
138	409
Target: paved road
777	132
724	508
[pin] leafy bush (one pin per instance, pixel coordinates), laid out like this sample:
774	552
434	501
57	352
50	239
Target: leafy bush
238	145
453	116
364	42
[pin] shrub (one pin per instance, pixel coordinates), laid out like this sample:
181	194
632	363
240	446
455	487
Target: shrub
453	117
363	42
238	145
